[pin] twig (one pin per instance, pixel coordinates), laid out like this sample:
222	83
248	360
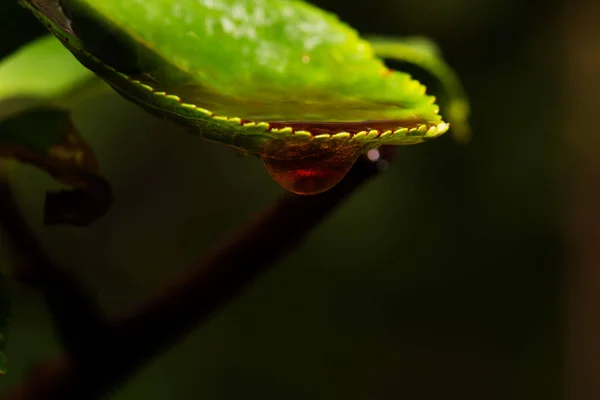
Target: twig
75	314
114	353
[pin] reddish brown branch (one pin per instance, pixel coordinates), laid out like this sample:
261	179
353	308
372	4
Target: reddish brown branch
108	357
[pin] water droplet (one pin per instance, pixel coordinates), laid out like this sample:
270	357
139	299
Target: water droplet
311	171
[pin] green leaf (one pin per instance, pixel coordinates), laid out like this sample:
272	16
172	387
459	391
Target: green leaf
283	80
46	138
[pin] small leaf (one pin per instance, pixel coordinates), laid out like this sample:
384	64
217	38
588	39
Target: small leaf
46	138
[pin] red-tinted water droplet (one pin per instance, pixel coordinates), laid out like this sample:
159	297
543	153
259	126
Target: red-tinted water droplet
312	174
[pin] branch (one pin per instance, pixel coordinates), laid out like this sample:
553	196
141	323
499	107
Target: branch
109	357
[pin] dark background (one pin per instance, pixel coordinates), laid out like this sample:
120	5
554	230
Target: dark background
438	279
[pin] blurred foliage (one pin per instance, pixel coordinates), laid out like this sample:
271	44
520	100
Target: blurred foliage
440	279
37	84
41	69
45	137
